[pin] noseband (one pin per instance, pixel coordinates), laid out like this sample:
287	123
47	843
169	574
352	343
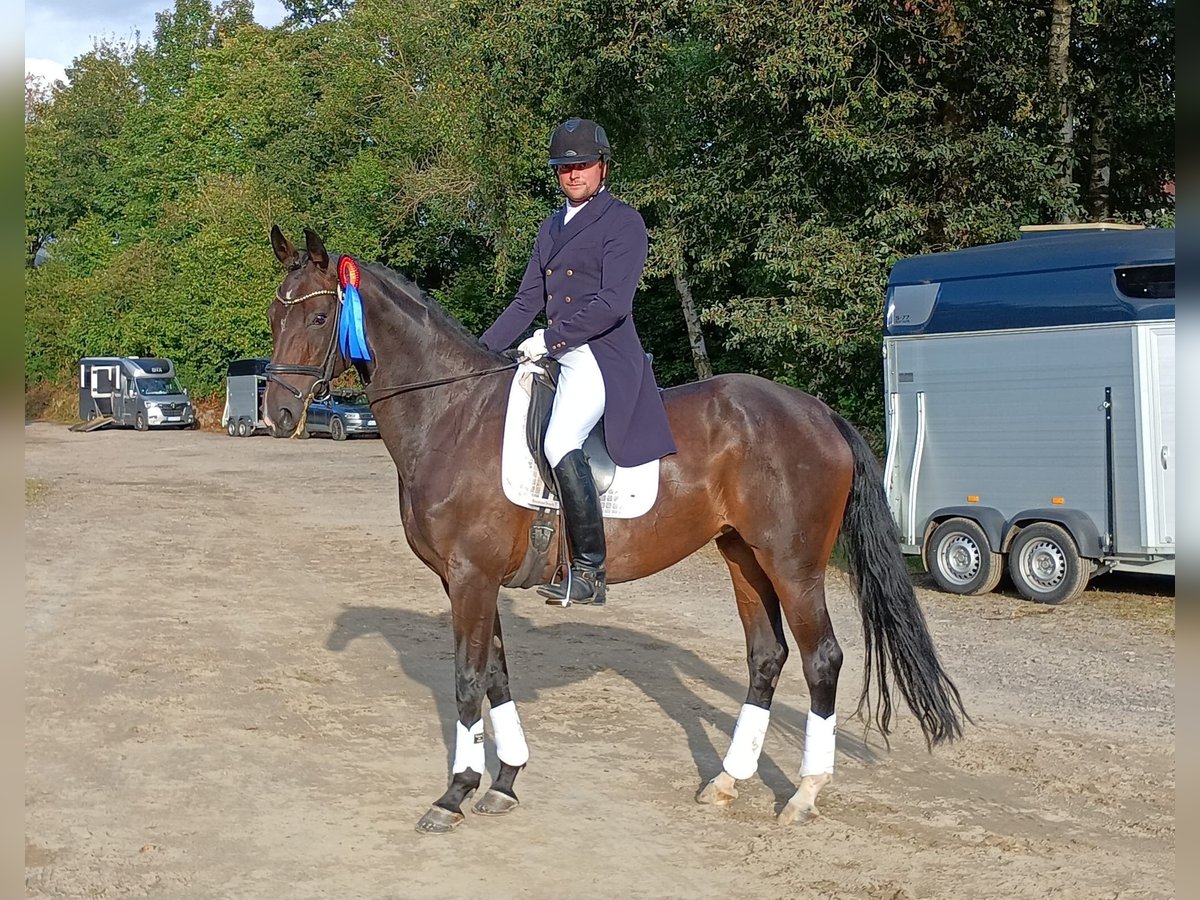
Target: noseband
323	373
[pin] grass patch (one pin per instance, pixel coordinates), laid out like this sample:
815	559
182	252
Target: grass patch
47	401
35	490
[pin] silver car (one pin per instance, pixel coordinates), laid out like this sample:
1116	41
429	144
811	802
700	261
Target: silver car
341	416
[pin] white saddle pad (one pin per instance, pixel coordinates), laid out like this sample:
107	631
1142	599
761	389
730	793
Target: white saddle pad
631	494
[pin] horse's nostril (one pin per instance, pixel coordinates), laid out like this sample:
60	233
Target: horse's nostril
284	421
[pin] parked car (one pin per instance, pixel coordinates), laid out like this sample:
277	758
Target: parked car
341	416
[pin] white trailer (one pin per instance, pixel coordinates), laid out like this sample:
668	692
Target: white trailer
1030	408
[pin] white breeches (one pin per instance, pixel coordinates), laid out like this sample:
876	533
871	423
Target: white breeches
578	403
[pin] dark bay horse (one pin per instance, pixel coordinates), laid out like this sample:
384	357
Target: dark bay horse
770	472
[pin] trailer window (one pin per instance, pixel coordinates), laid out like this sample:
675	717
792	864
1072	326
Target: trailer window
910	305
1147	282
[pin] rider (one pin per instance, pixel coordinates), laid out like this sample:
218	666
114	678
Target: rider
583	271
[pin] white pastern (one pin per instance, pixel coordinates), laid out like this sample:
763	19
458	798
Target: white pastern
803	805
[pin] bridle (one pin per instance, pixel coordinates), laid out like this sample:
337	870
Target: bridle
324	372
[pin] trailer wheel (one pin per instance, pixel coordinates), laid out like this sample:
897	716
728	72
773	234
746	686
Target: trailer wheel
1045	564
243	428
139	422
91	414
231	428
960	559
337	428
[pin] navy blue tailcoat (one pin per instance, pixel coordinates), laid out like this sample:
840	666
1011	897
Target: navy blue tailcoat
583	276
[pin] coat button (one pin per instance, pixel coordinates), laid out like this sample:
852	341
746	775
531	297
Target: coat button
570	271
568	299
549	296
549	321
549	271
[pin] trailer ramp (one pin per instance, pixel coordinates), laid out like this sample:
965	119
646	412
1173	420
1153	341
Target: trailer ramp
92	424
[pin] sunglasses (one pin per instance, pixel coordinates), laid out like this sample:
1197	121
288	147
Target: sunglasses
564	168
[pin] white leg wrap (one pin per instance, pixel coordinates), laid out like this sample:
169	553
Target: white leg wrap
510	737
468	752
742	759
820	739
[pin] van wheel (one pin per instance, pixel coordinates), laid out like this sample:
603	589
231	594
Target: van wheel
231	428
337	429
1045	564
961	560
139	422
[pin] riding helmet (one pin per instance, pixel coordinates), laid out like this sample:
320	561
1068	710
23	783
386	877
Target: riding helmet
579	140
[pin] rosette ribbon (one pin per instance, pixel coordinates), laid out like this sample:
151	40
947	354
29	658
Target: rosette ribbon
352	338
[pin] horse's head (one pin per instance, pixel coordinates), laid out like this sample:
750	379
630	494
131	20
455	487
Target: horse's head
304	332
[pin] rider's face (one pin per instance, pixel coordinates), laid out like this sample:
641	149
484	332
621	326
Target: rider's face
579	181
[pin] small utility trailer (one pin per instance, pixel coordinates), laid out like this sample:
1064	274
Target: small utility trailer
245	385
1030	408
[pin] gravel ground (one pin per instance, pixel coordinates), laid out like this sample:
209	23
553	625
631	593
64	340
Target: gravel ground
239	683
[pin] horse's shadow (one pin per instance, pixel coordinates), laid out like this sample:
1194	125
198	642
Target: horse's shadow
545	657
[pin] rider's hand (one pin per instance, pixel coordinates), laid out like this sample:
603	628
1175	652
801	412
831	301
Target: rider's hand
533	348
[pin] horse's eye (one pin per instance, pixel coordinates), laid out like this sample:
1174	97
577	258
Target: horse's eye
319	319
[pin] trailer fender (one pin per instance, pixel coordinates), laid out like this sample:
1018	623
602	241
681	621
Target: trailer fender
1077	522
990	520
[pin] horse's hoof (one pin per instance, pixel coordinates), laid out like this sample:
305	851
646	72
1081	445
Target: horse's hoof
495	803
802	807
721	791
439	821
797	814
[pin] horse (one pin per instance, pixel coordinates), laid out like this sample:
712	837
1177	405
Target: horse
769	472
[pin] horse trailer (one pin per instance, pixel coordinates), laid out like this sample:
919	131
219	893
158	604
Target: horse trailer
1030	409
245	384
133	390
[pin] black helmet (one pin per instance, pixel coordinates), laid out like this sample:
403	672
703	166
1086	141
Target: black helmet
579	140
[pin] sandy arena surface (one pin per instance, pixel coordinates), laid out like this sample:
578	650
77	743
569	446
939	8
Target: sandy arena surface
239	684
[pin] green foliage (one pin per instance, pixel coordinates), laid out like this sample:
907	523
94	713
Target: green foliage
784	158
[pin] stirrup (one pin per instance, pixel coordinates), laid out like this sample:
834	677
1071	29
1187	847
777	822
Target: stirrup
581	587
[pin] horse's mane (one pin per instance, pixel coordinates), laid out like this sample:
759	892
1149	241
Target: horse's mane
394	282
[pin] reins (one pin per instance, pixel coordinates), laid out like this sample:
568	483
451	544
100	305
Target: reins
324	372
393	391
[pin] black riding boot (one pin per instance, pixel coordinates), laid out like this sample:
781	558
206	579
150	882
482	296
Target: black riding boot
584	523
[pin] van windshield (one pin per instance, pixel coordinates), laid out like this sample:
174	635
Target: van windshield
150	387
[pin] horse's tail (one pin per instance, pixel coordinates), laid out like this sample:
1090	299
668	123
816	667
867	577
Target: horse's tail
893	625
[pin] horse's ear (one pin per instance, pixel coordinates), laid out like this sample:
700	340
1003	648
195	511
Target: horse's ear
284	251
316	248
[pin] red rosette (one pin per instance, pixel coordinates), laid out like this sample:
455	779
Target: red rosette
348	272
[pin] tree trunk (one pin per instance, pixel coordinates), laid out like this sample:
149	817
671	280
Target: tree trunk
692	320
1099	199
1060	73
